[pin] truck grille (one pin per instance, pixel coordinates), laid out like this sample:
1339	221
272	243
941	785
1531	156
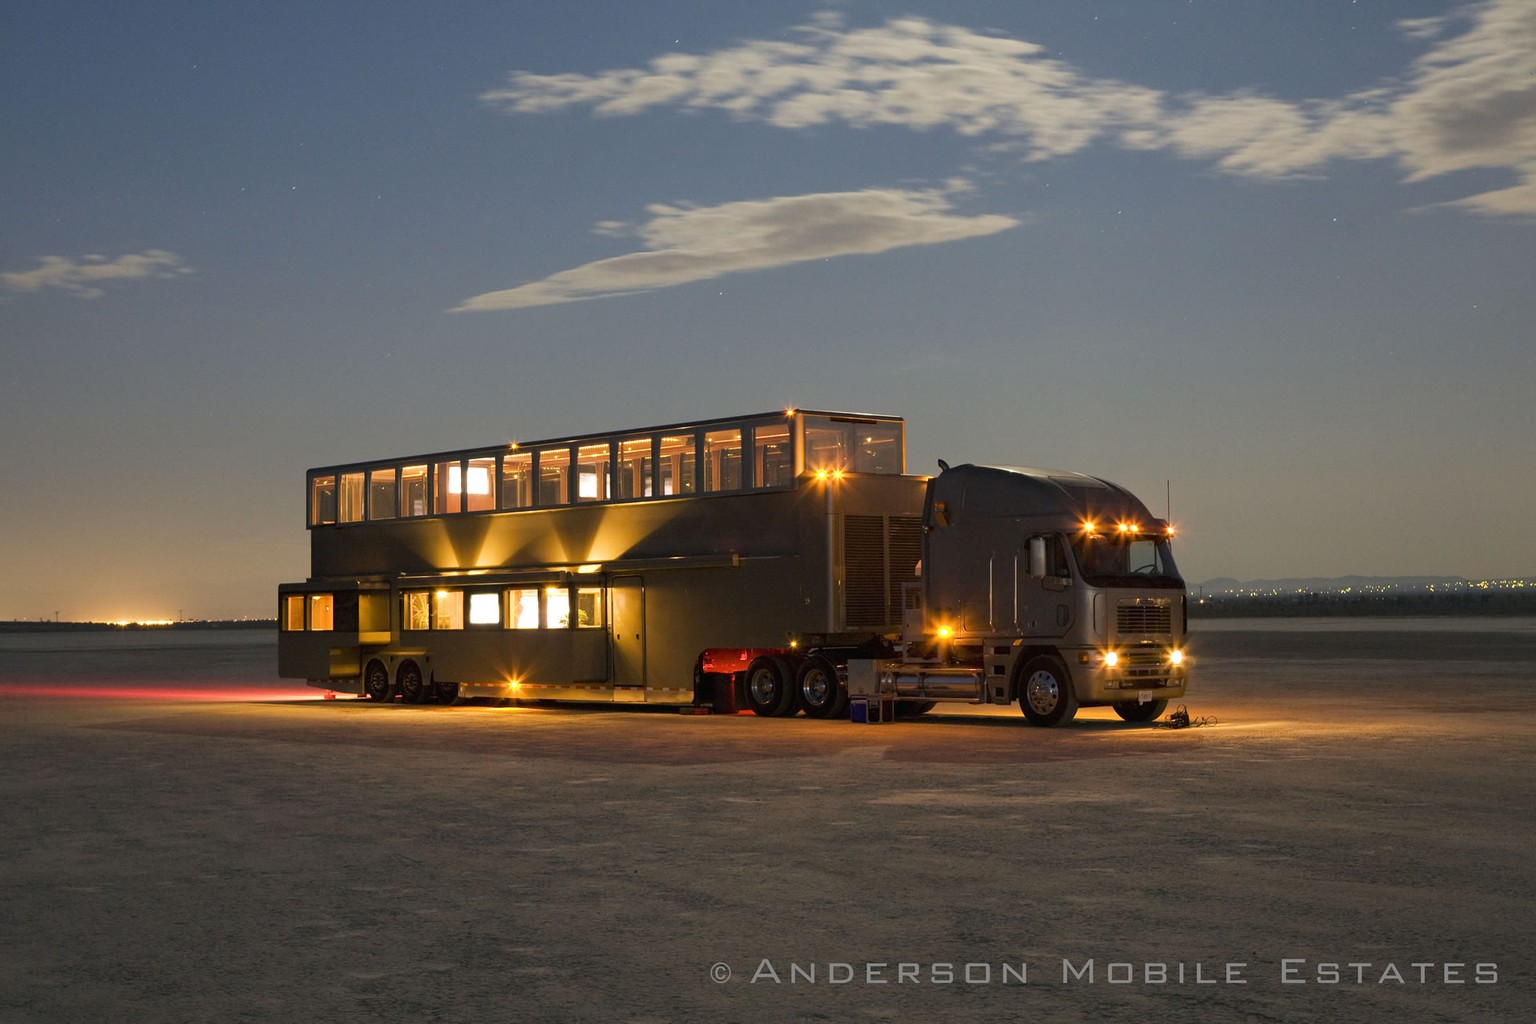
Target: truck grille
1144	618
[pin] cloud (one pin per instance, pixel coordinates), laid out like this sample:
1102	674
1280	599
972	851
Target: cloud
84	277
687	243
1468	102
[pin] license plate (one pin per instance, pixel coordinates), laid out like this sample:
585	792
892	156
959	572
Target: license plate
1144	697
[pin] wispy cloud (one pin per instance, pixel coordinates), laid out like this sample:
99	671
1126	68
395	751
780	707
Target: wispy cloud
84	277
684	244
1468	102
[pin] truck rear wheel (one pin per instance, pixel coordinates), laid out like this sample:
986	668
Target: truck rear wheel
1045	692
822	694
376	683
413	688
1136	711
770	687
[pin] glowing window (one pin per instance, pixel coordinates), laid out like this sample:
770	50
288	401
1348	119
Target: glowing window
293	612
478	494
322	500
485	609
589	607
447	488
722	460
382	501
773	456
592	472
321	611
517	480
853	445
635	468
448	609
557	607
554	476
523	609
678	465
413	490
418	610
350	497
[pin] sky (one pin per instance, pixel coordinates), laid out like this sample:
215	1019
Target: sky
1271	266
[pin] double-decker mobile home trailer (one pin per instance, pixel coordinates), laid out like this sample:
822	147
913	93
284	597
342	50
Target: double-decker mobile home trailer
745	561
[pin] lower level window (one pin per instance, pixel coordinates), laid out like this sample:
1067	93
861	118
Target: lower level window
448	609
322	609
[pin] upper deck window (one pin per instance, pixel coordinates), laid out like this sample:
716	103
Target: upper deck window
555	476
722	460
382	501
853	445
773	456
479	496
592	462
350	498
678	465
447	488
322	500
517	480
635	469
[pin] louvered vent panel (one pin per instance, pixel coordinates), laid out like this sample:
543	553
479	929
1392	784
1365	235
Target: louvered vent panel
864	571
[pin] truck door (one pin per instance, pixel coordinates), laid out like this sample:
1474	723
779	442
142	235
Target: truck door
1044	604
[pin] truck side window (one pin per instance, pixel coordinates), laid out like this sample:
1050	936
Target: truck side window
1055	557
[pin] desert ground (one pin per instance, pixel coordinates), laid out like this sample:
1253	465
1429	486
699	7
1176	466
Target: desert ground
1347	836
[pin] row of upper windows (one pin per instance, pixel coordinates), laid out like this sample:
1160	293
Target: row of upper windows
746	456
554	606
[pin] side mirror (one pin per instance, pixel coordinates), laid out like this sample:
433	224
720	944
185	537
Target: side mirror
1036	551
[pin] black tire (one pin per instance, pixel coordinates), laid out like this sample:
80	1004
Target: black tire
376	683
914	708
1135	711
1045	692
769	687
446	694
413	688
821	693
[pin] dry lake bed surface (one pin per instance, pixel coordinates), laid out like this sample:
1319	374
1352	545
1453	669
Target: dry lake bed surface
1348	837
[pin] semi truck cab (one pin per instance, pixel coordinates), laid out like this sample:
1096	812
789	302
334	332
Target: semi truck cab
1053	589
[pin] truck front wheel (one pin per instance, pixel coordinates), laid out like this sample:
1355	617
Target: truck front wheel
1045	692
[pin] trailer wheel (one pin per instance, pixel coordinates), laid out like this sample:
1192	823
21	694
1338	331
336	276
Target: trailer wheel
1135	711
1045	692
376	682
770	687
446	694
413	688
822	694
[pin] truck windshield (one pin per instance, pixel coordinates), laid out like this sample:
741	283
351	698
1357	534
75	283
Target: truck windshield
1114	561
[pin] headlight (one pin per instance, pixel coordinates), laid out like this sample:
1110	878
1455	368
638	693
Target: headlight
1111	659
1175	657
